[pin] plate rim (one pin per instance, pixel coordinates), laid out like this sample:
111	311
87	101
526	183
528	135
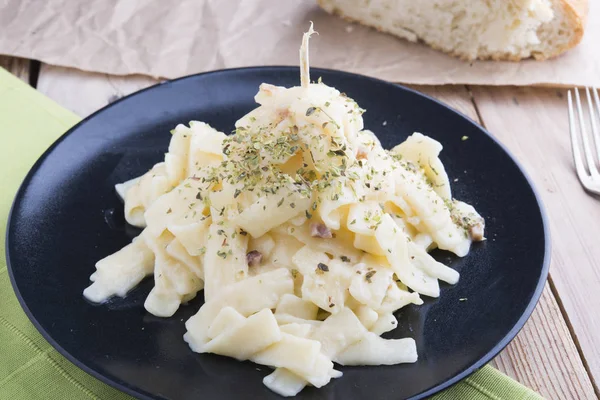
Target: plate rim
138	392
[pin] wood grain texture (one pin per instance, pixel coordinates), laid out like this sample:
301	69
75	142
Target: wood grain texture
17	66
542	357
533	124
85	92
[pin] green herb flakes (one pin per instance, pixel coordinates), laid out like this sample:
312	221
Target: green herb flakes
369	275
222	254
322	267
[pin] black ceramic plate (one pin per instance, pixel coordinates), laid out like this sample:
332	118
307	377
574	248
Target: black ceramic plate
67	216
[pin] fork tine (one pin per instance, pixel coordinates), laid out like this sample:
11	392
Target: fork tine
594	127
581	173
587	149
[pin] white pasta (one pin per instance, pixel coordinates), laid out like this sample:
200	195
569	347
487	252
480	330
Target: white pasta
374	350
284	382
264	215
424	151
140	192
224	265
338	332
296	306
120	272
367	316
304	233
297	329
385	323
369	285
257	332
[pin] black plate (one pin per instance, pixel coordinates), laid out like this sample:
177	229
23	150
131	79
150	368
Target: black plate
66	216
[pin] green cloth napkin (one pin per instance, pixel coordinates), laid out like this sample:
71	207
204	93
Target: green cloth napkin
32	369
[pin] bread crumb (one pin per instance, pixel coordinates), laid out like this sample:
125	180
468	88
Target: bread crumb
541	29
349	29
384	123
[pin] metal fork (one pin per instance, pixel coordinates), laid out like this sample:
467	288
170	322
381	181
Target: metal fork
587	169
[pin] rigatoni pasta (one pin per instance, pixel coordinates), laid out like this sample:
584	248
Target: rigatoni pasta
304	233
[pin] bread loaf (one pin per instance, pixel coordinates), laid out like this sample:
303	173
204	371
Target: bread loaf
475	29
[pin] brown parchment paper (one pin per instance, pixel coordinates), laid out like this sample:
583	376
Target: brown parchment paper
169	38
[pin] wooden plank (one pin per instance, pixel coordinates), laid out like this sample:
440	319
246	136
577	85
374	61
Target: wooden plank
16	66
533	124
543	356
529	359
85	92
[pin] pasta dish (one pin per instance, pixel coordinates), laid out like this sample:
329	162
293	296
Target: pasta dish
303	232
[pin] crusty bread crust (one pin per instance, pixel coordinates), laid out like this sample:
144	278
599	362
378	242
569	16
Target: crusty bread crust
576	12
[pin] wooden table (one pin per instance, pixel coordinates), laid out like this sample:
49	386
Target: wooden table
558	351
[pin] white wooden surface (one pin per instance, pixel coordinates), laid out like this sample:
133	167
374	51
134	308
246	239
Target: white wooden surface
533	123
83	92
558	350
